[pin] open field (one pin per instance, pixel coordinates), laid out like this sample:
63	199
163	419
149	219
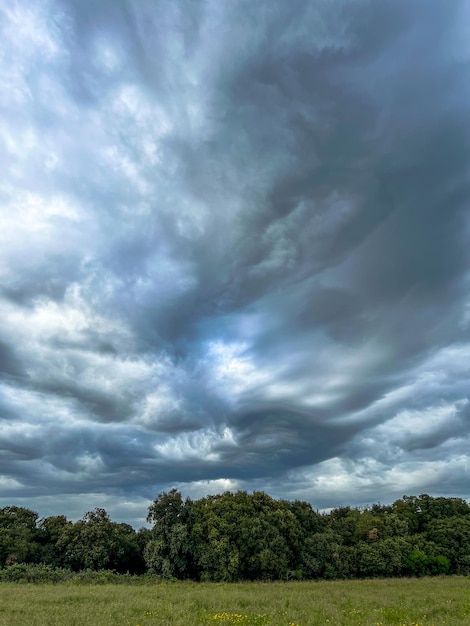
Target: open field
409	602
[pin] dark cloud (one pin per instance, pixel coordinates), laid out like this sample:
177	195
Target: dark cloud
234	250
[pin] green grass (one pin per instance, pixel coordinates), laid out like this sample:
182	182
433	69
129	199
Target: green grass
410	602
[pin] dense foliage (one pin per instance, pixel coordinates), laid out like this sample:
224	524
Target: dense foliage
242	536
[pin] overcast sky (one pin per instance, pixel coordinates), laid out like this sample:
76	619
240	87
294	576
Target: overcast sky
234	251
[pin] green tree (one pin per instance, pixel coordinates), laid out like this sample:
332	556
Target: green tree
95	542
418	511
325	556
452	537
238	536
167	552
381	558
18	536
50	531
369	528
343	522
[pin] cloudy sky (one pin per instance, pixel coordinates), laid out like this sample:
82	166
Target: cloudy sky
234	251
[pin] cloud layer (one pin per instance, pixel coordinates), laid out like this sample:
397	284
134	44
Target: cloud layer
233	251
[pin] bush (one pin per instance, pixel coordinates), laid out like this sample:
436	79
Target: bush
29	573
101	577
420	564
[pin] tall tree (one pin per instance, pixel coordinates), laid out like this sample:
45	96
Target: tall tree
18	535
167	553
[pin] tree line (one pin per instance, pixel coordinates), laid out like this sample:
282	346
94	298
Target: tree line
243	536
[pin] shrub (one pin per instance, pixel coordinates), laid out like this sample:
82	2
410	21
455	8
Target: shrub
30	573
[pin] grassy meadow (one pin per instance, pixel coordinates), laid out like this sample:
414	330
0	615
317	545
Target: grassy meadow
410	602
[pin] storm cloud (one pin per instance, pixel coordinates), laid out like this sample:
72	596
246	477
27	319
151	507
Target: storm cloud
234	251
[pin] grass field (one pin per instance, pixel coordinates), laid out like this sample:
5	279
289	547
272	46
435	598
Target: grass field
410	602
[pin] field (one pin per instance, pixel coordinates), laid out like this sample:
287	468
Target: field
410	602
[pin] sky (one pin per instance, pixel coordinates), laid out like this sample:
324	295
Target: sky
234	251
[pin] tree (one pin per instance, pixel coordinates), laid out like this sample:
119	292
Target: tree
418	511
95	542
18	535
50	531
369	528
381	558
167	552
325	556
343	522
452	538
230	536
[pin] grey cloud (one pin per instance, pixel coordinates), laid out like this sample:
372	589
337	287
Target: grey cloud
10	365
240	247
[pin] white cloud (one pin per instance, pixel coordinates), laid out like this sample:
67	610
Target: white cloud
201	488
202	445
232	369
337	482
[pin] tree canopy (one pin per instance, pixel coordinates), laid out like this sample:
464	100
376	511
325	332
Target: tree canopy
249	536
